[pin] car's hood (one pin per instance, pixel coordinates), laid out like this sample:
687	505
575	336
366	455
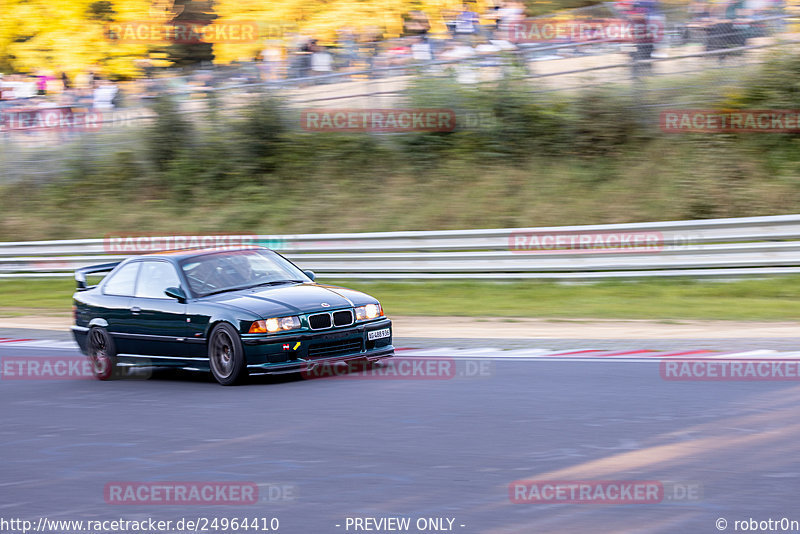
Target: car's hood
272	301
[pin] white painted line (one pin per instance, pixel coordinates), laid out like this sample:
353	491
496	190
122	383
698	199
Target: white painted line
42	343
745	355
522	353
445	351
37	343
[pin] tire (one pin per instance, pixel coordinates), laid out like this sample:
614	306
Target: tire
226	355
102	353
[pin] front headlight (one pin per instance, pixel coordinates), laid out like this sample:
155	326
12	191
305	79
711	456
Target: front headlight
370	311
275	324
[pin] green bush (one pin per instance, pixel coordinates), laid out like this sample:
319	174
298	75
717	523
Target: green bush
170	133
516	158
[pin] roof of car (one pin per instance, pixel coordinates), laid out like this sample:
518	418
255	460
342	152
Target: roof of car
188	253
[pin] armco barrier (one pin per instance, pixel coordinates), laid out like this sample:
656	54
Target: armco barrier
739	247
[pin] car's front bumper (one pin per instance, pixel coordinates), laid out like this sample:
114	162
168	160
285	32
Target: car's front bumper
304	351
80	333
310	366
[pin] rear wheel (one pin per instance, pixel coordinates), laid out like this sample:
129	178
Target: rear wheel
226	355
102	354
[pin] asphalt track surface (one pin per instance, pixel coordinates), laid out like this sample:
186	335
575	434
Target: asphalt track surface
325	450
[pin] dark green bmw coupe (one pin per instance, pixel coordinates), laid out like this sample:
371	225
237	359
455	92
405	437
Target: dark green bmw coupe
232	312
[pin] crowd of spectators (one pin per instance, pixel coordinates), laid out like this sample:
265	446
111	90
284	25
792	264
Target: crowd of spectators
297	56
471	34
45	90
487	37
466	33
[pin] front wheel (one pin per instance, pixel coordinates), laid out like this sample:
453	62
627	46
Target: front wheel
226	355
102	354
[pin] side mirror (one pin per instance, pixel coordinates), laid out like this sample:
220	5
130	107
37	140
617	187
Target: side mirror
176	293
80	281
310	274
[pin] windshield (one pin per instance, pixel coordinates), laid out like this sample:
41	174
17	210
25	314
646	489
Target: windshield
226	271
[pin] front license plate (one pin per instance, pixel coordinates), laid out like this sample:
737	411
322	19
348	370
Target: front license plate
378	334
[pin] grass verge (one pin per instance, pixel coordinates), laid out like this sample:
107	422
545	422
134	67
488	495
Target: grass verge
774	299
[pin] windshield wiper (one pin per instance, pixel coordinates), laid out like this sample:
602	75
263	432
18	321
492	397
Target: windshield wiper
225	290
237	288
276	282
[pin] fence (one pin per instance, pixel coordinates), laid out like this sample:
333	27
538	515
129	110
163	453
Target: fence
714	248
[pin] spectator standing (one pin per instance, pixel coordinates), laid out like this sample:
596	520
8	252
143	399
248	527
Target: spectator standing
417	24
421	50
467	23
461	54
306	52
508	16
103	95
302	57
645	43
699	9
733	9
271	58
41	84
346	39
369	46
321	60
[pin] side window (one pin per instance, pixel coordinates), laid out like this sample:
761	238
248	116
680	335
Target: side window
122	282
154	278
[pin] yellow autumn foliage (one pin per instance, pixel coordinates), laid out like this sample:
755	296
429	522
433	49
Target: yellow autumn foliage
65	35
71	35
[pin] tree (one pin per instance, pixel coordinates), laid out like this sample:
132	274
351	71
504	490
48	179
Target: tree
68	35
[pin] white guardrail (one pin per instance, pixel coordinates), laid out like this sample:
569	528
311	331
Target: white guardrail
723	248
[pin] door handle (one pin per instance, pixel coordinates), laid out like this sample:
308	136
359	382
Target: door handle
135	310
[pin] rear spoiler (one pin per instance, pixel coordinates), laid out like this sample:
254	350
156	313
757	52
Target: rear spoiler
80	274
